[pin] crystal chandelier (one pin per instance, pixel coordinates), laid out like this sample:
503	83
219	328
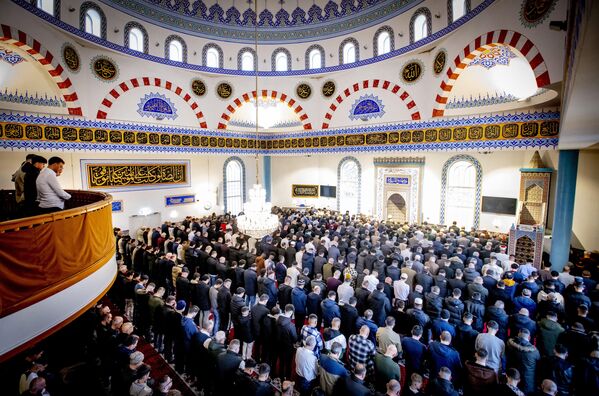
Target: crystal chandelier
257	219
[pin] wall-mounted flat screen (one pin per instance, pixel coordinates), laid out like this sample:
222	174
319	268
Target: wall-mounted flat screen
328	191
500	205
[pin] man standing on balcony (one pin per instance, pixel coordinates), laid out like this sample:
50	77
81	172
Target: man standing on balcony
31	169
50	194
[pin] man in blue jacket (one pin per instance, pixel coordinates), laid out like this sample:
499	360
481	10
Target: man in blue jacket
330	309
298	299
442	354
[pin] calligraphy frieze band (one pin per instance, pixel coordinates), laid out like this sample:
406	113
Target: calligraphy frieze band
305	191
134	175
87	137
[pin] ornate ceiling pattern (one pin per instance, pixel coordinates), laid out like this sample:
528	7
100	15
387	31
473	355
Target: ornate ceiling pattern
277	21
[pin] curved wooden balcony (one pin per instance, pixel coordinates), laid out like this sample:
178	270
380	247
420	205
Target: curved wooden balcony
60	262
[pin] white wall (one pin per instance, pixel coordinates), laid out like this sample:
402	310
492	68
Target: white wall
586	210
501	178
206	182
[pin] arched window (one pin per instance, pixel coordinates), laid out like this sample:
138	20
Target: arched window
457	9
234	185
420	24
460	191
246	59
315	57
349	51
349	185
51	7
175	49
212	56
383	43
281	60
136	37
92	20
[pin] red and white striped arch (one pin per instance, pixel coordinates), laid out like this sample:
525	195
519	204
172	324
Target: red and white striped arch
481	43
138	82
265	93
34	48
366	84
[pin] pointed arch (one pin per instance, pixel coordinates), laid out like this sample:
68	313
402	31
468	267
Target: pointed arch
246	97
381	84
481	43
134	83
477	187
50	63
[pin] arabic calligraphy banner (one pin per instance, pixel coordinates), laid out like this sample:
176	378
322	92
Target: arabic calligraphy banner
90	138
304	191
134	175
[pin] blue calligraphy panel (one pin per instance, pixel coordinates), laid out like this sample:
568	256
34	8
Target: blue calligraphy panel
396	180
367	107
117	206
179	199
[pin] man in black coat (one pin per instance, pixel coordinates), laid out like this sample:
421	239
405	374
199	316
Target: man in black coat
433	303
465	337
379	304
250	279
287	337
559	370
259	312
352	384
455	306
442	385
223	301
200	296
226	366
361	297
349	315
520	320
182	286
285	292
313	302
475	306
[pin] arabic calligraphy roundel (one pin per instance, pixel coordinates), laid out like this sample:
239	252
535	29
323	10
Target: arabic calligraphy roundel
303	90
439	62
224	90
412	71
198	87
71	57
328	89
104	68
534	12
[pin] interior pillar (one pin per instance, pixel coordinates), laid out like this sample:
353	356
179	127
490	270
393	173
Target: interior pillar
266	177
564	208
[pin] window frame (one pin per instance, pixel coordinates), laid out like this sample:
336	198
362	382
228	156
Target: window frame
445	187
357	182
226	184
83	12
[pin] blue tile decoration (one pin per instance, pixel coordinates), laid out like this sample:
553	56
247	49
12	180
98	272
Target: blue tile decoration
356	48
273	58
56	7
367	107
343	161
450	9
144	32
173	200
220	55
252	124
82	10
117	206
236	24
480	100
375	40
429	23
167	43
34	100
498	55
159	59
478	187
10	57
243	179
157	106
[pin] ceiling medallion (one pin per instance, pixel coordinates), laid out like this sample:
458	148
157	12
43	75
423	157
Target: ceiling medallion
439	63
71	57
328	89
104	68
412	71
224	90
303	91
198	87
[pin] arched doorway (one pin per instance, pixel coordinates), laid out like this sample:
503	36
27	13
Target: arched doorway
397	211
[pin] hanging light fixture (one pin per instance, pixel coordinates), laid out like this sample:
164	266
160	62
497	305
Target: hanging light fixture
257	219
